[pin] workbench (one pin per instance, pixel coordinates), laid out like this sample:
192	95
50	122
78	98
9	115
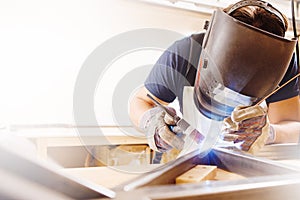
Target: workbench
47	137
261	178
111	177
239	175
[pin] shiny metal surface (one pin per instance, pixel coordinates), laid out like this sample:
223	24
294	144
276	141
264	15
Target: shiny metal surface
22	168
280	151
265	179
229	160
267	188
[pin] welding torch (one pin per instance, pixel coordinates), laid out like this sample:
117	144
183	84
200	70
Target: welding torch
190	133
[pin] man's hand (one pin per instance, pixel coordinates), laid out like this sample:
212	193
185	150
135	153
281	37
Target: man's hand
157	125
249	126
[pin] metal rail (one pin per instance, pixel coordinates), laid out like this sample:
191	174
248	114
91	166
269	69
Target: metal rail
233	161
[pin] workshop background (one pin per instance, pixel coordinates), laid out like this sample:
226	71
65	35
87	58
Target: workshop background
44	45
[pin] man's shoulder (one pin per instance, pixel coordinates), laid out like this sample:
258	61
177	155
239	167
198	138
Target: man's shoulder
183	45
198	37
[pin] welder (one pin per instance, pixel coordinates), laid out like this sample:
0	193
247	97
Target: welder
241	58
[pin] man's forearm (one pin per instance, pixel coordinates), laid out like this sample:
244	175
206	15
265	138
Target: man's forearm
286	132
137	108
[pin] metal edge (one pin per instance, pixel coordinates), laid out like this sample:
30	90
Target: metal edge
230	160
269	188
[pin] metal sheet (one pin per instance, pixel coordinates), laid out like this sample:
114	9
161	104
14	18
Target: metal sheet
280	151
265	178
233	161
44	174
267	188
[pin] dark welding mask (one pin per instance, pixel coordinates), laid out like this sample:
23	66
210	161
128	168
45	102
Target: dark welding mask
239	65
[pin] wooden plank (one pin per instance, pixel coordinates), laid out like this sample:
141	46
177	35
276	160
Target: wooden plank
197	174
223	175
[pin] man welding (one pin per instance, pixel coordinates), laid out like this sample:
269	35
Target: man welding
241	58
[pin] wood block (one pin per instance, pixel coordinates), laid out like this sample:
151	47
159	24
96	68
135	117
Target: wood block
225	175
197	174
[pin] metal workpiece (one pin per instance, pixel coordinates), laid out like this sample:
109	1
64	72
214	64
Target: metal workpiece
247	165
268	188
263	178
35	178
290	151
164	174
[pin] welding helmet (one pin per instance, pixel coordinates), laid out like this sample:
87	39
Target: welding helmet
239	65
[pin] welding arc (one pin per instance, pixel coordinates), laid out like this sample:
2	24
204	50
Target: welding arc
278	88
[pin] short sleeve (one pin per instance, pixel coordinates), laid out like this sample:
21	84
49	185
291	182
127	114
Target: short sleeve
166	79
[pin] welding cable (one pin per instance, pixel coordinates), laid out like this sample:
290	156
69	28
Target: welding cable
295	32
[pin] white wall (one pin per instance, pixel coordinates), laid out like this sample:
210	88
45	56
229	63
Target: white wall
43	45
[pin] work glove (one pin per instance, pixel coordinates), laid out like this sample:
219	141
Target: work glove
248	126
161	131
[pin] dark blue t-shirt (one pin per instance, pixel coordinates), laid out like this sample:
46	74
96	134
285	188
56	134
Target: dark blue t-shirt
177	67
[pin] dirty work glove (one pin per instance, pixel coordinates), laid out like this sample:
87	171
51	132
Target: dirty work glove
157	125
249	126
